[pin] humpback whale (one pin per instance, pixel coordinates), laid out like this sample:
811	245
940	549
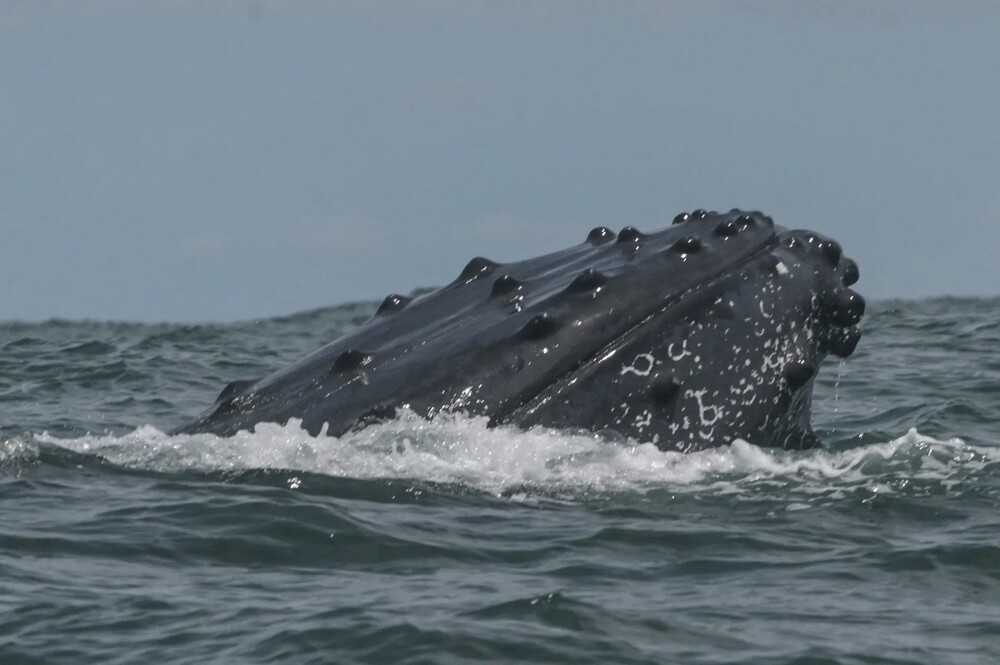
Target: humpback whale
689	337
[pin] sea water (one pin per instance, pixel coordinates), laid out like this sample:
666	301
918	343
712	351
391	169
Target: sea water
449	542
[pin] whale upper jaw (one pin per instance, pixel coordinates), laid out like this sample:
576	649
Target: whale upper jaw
709	330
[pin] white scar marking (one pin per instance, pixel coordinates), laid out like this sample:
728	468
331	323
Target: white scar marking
762	312
703	409
635	366
680	356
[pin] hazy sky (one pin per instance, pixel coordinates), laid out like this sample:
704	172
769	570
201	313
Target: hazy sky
170	161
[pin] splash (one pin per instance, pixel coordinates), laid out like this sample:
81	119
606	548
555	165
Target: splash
462	450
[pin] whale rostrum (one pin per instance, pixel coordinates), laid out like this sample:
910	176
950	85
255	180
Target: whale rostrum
690	337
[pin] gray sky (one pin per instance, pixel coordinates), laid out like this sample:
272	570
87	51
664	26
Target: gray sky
168	161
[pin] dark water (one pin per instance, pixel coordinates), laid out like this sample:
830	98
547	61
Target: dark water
447	542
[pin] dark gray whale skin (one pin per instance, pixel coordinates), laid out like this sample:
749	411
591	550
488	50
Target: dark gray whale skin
690	337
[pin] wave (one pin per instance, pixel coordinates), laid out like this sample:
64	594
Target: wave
459	450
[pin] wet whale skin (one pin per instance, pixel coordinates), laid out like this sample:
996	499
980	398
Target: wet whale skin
690	337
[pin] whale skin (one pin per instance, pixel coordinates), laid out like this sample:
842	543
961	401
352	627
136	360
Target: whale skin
710	330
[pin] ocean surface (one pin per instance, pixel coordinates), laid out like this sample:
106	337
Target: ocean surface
446	542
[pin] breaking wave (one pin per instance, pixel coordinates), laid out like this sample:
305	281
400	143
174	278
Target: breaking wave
461	450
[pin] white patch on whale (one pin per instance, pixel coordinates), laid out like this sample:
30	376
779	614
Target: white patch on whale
636	366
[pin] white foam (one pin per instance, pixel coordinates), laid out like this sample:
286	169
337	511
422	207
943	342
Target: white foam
463	450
